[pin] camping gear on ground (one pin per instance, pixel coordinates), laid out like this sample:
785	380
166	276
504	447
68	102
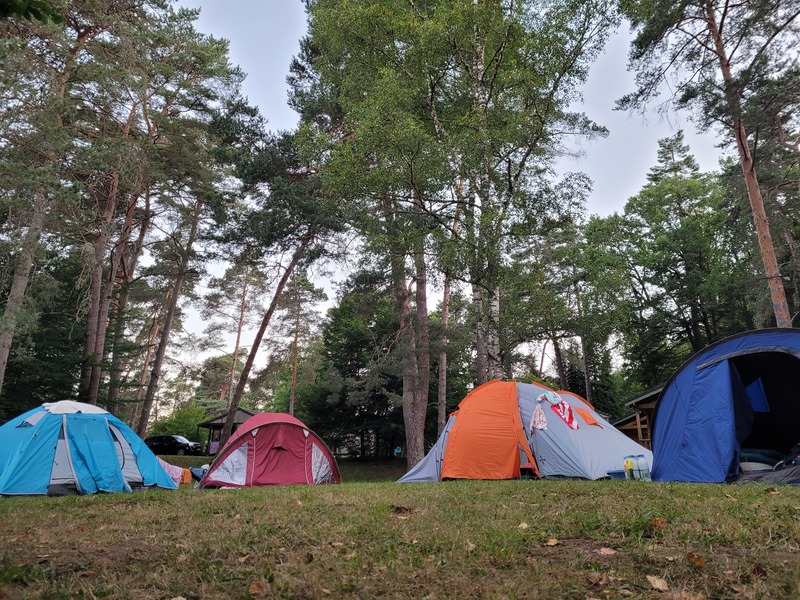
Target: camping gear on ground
618	474
741	392
789	475
70	447
177	474
502	425
272	449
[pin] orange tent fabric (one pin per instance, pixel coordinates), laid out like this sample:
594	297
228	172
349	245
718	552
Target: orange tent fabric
488	426
586	416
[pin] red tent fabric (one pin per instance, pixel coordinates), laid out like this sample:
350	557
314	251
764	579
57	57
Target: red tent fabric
272	449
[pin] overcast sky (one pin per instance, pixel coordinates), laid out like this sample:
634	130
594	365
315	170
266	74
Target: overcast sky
264	36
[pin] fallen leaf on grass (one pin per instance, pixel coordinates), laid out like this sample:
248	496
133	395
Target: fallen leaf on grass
658	583
470	547
696	559
772	490
552	542
255	588
326	591
523	525
684	596
243	559
175	598
597	579
607	551
658	523
758	572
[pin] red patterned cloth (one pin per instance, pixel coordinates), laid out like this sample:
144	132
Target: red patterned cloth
564	410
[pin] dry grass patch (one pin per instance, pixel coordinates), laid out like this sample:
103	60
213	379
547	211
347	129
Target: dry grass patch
507	539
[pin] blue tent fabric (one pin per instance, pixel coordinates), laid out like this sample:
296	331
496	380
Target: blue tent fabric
742	392
21	461
70	447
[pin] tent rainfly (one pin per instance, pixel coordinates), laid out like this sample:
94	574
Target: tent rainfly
272	449
743	392
502	427
69	447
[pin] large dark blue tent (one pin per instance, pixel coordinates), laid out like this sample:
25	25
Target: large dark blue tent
741	392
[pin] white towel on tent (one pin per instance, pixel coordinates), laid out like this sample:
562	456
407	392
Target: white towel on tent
538	419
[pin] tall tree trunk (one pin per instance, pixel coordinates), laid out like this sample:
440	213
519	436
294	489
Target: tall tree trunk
771	270
584	351
109	288
141	426
248	365
22	273
91	359
407	356
235	357
560	367
441	413
158	361
493	356
128	268
418	410
481	364
295	354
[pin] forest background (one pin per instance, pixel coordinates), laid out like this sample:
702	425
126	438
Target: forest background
142	193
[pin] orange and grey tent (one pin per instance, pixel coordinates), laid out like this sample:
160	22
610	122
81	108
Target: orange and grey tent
503	426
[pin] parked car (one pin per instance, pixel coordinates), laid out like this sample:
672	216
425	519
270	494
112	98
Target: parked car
172	444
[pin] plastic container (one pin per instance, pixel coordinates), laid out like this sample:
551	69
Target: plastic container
628	467
636	468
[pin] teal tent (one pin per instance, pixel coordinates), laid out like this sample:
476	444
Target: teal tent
69	447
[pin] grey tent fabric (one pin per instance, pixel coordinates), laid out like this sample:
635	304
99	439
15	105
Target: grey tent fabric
430	467
587	453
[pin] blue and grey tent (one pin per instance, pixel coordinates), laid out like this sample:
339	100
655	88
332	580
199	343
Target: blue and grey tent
742	392
69	447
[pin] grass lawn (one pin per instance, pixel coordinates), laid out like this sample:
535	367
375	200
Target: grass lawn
370	537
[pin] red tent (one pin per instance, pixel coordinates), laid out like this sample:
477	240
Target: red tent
272	449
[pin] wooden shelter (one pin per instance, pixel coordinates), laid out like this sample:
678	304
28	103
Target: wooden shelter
216	424
637	425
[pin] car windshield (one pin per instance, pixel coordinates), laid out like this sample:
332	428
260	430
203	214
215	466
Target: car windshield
182	439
